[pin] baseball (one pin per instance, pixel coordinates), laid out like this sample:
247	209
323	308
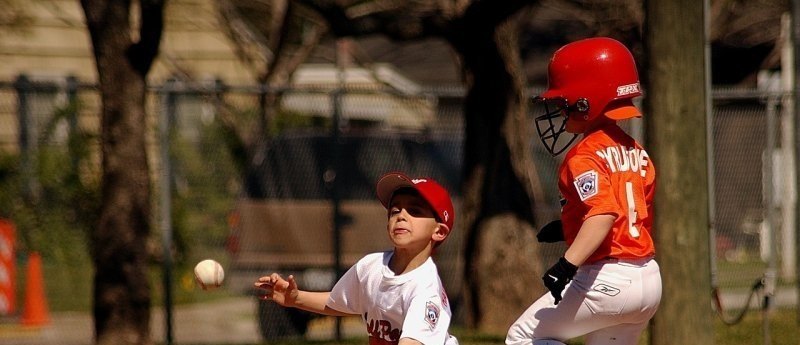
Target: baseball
208	274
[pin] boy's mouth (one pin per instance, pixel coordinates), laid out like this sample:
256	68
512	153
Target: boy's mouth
400	231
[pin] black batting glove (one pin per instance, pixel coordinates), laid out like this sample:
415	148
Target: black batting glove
551	232
557	277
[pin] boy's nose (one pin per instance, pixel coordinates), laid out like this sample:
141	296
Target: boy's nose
403	214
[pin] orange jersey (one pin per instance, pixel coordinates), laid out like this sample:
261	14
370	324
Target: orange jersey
608	172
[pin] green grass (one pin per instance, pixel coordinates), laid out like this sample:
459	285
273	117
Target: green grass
783	328
742	274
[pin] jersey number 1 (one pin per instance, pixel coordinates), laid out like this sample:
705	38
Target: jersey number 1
631	210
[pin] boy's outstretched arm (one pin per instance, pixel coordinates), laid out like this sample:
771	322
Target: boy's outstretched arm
285	293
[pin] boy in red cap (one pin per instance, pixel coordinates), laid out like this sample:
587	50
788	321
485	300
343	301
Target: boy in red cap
607	285
398	293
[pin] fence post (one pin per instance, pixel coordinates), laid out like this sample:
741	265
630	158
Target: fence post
710	167
27	136
263	118
795	33
219	96
165	194
72	117
332	178
769	217
788	166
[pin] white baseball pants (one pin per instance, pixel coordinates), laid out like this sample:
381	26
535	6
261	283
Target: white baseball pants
610	302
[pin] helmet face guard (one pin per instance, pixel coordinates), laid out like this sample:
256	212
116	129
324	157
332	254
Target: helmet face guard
553	124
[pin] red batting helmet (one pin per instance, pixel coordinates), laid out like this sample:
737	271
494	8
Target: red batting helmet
586	79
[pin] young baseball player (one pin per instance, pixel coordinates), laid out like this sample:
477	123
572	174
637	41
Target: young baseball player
397	293
607	286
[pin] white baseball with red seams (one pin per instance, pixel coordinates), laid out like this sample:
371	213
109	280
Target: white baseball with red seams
209	274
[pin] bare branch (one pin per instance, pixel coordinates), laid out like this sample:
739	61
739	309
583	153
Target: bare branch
374	7
144	52
298	25
250	47
278	21
746	23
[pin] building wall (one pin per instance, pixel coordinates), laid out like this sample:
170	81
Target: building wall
56	44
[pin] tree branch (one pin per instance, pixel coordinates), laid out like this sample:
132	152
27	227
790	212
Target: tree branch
142	53
415	19
310	42
489	14
250	48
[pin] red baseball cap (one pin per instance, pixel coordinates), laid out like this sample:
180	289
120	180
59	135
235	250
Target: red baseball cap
429	189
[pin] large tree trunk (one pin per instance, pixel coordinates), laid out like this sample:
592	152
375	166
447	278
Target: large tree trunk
502	276
121	288
676	130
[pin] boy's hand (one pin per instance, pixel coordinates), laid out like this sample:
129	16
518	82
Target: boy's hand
277	289
557	277
551	232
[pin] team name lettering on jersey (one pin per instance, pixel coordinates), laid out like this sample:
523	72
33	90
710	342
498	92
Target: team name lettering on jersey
381	332
622	159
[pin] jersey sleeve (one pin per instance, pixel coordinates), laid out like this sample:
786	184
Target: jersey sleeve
346	294
590	180
428	319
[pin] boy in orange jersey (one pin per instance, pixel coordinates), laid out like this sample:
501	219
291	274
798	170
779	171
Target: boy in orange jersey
607	286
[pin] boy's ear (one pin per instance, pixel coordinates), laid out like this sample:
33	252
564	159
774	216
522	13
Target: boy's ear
441	232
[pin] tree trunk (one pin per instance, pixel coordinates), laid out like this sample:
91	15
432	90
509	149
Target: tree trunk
502	276
121	288
676	130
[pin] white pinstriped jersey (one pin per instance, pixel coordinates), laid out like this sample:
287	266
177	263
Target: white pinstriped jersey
411	305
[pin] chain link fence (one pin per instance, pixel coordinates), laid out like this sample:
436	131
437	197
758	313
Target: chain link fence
754	200
299	200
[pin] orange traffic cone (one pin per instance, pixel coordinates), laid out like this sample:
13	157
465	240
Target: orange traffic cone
35	311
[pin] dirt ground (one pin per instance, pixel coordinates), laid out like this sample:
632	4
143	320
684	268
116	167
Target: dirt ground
228	321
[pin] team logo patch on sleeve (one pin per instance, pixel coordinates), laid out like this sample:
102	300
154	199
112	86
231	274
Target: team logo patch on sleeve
586	184
431	314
